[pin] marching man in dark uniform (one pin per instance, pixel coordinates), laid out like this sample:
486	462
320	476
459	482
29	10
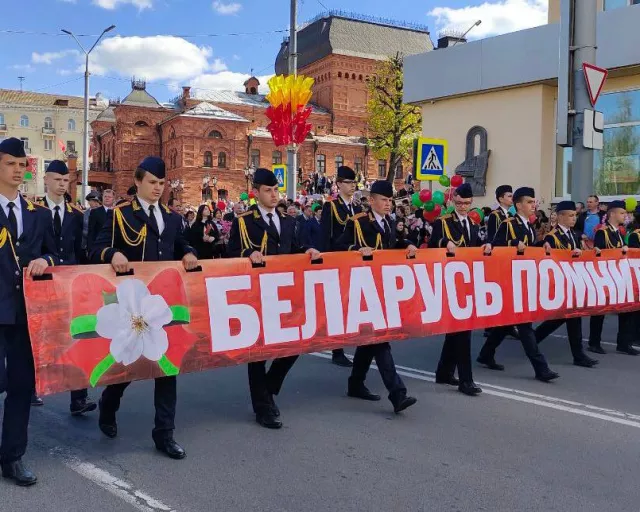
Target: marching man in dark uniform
517	232
367	232
262	231
450	232
67	228
144	230
335	215
26	245
504	196
634	243
563	237
609	237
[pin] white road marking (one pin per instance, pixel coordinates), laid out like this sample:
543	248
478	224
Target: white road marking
551	402
586	340
125	491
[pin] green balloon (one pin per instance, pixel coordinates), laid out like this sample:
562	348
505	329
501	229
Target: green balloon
444	180
28	176
480	213
448	210
429	206
438	197
415	199
244	196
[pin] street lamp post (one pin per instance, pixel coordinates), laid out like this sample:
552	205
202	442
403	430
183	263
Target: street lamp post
248	174
85	141
477	23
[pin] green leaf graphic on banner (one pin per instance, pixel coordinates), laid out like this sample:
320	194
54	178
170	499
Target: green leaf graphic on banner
101	368
83	326
168	367
181	314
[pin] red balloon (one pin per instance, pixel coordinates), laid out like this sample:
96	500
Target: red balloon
425	195
474	216
623	230
456	180
252	195
221	205
304	192
448	195
437	211
532	219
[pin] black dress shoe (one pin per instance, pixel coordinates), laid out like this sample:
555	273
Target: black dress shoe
513	333
340	359
170	448
491	364
108	426
585	362
363	393
18	473
630	351
268	420
274	407
596	349
78	407
547	376
448	379
469	388
36	401
403	403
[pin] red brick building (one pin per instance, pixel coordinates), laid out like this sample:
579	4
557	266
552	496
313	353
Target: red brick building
210	142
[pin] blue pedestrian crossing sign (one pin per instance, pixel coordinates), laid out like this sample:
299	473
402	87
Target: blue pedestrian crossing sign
280	170
430	158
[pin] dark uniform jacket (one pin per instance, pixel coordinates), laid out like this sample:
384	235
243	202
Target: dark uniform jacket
36	241
127	231
634	239
557	239
363	230
249	233
496	218
97	219
335	216
69	242
512	231
449	228
608	237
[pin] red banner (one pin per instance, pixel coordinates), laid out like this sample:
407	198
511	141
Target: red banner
89	327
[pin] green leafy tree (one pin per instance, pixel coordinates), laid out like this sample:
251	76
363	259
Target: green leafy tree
393	126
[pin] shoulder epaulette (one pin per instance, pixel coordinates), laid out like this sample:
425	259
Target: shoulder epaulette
74	207
166	208
552	232
31	206
359	215
509	219
244	214
128	203
446	216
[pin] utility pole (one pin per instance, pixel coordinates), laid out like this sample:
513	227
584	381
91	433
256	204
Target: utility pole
21	79
583	47
85	126
292	155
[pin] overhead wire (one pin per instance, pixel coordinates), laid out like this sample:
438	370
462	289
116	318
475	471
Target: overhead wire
184	36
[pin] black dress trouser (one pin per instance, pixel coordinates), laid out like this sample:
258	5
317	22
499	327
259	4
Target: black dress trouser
164	399
456	352
381	352
625	330
263	384
18	374
574	333
528	340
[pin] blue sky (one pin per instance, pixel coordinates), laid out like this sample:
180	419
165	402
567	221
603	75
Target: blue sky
148	40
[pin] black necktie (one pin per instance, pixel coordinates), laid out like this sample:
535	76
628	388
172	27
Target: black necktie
152	219
272	225
350	208
466	229
13	221
572	240
57	221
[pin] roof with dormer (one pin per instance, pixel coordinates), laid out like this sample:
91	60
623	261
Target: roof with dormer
206	110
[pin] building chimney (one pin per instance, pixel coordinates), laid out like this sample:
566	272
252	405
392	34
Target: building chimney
186	93
448	40
251	85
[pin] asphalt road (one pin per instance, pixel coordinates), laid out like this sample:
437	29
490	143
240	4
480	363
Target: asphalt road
571	445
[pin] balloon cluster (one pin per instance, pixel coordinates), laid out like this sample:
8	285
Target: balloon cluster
434	204
288	113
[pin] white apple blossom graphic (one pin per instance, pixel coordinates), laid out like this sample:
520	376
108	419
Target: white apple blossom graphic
135	325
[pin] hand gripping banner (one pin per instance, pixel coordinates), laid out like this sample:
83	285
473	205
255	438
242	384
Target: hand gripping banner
90	328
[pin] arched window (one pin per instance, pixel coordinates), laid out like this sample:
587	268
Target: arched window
71	125
346	76
255	158
339	161
48	123
222	159
254	90
360	77
321	163
215	134
353	76
339	74
208	159
276	157
141	123
24	121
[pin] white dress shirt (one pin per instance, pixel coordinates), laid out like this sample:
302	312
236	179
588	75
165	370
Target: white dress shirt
504	210
156	213
464	218
528	226
276	218
382	221
52	205
17	209
569	235
348	204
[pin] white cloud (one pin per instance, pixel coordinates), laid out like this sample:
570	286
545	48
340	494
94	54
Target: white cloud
498	17
152	58
225	80
27	68
68	1
49	57
112	4
64	72
236	57
226	9
218	65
